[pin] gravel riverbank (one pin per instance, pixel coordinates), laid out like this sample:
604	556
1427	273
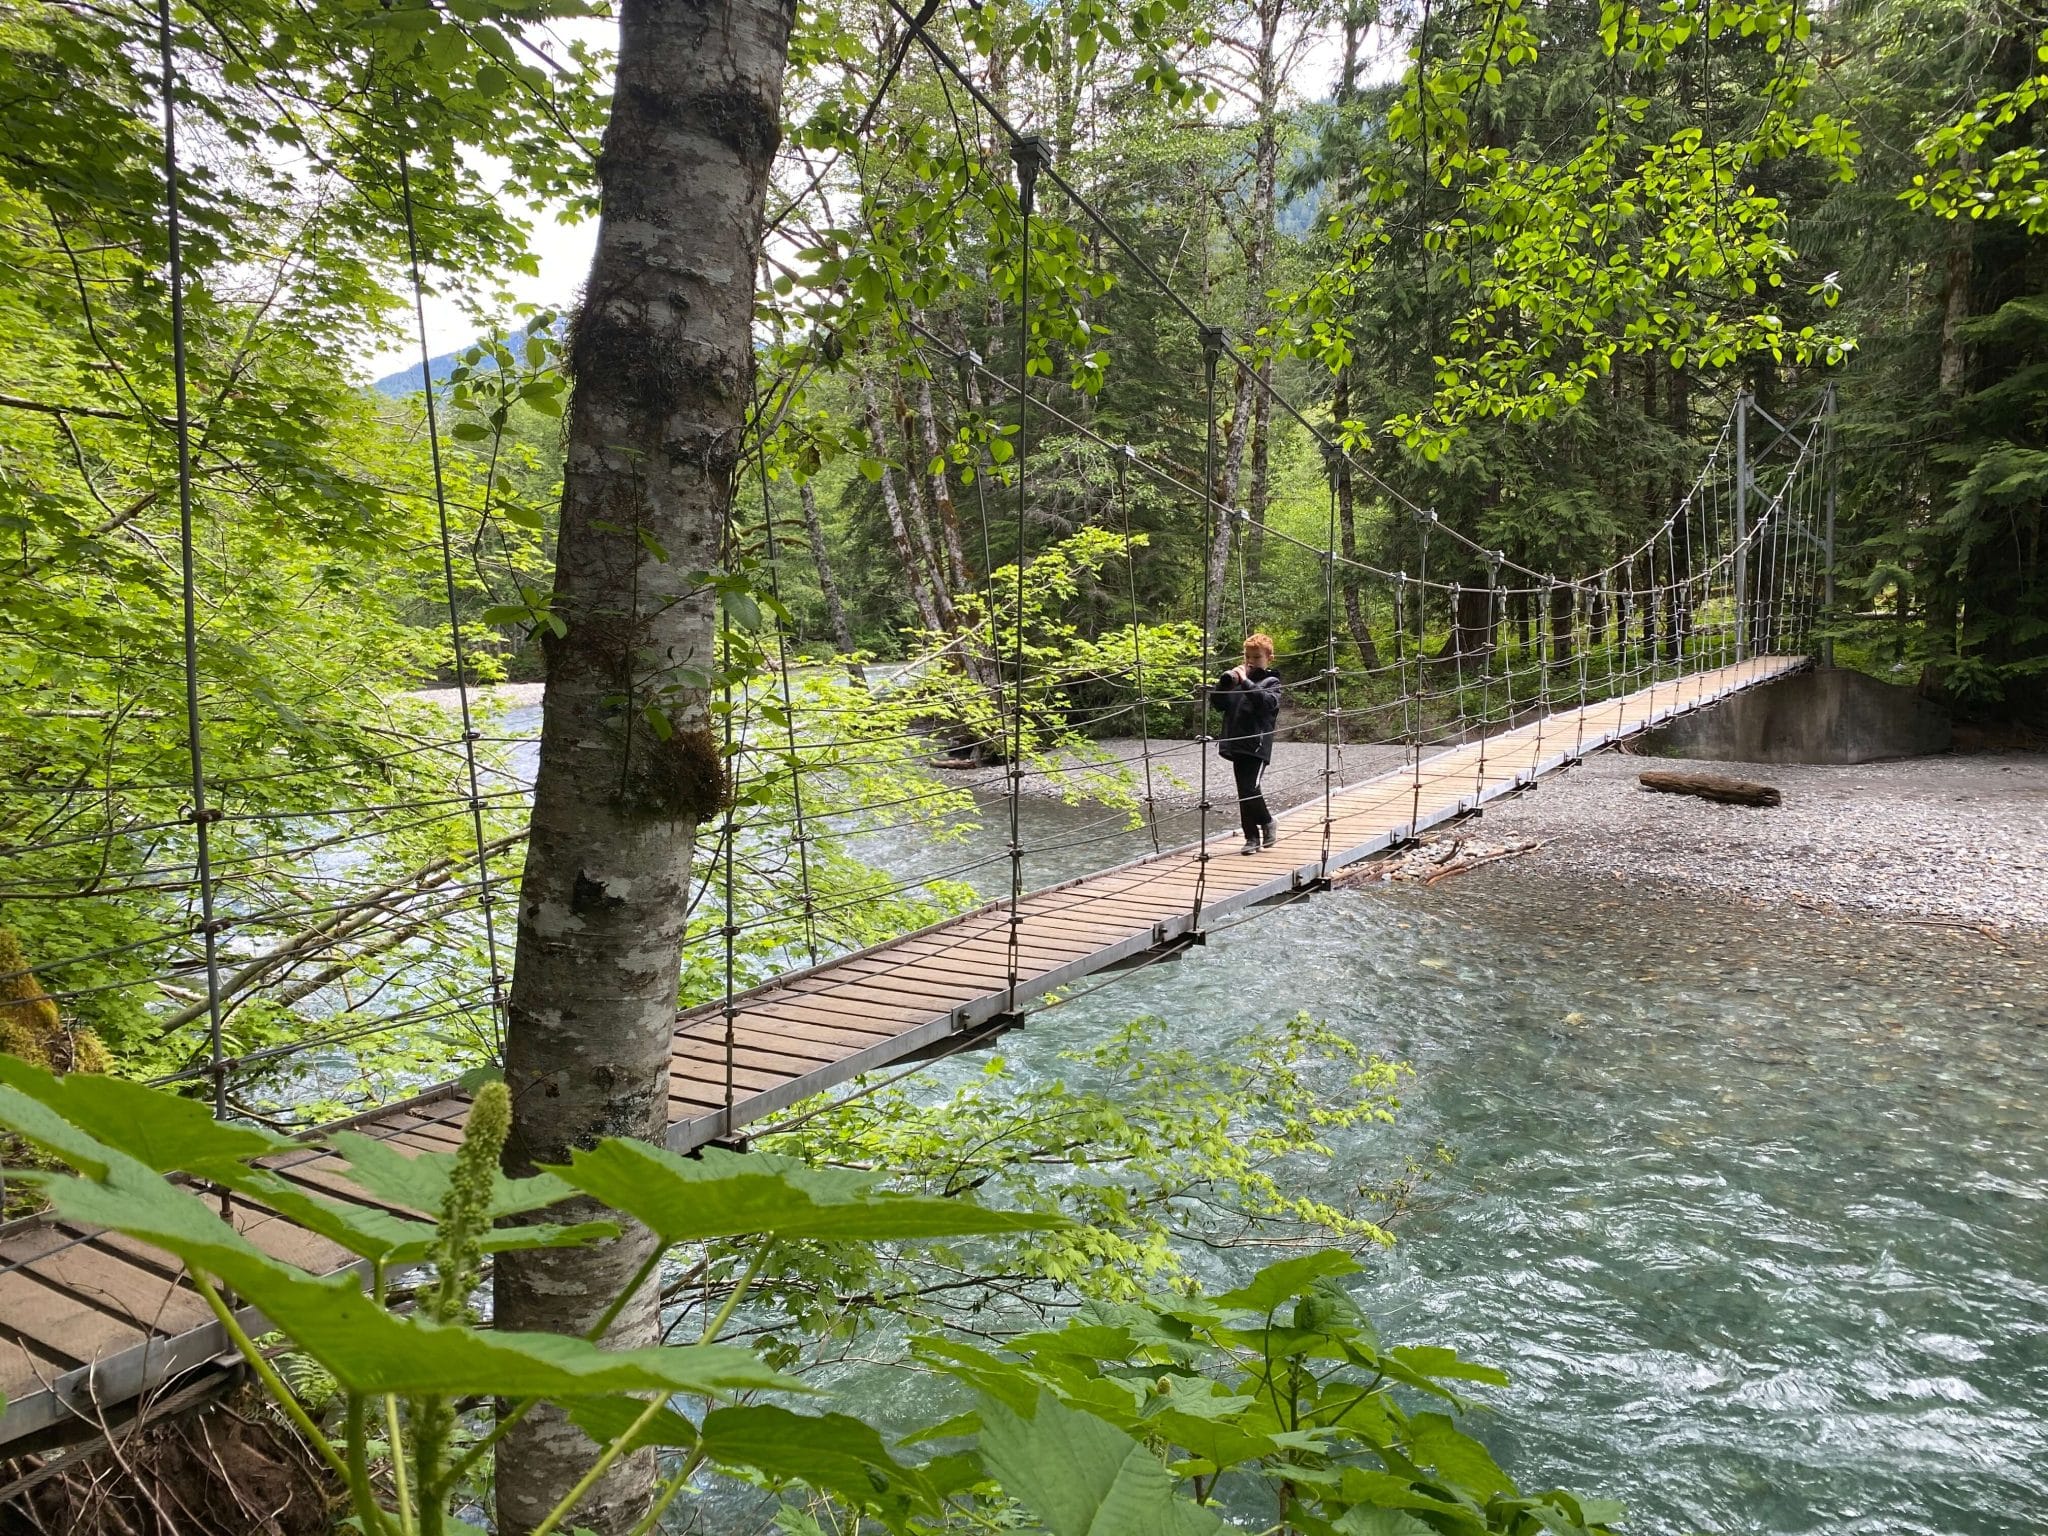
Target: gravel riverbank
1959	838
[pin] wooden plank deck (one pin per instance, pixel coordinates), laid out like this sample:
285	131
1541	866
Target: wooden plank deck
90	1323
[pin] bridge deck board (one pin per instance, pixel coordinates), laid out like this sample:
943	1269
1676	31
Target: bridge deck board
90	1321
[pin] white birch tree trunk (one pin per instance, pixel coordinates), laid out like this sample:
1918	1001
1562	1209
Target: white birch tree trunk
663	361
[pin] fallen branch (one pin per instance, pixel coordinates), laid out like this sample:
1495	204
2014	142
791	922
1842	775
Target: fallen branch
1478	859
1437	859
358	916
1711	786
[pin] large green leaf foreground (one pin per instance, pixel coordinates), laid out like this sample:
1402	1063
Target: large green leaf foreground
1181	1417
124	1143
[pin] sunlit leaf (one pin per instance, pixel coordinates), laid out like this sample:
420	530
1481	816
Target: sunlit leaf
730	1194
1084	1477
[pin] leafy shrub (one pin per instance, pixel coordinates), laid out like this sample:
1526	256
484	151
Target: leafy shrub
1155	1416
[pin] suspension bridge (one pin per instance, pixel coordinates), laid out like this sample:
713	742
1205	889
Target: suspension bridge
1721	597
94	1327
93	1323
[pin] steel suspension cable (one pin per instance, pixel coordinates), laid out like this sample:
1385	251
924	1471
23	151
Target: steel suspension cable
1028	153
796	777
728	843
1674	639
469	731
1582	643
1495	613
1332	720
201	817
1123	502
1409	726
1545	601
1646	608
1212	348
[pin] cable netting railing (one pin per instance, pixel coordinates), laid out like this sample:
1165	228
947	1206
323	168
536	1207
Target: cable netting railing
351	962
306	926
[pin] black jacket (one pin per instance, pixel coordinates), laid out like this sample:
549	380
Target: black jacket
1250	710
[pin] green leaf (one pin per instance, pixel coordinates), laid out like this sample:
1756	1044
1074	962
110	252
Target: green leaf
1390	1490
521	1237
831	1452
1082	1476
1284	1281
732	1194
1445	1364
610	1420
741	608
159	1130
1456	1456
1381	1522
420	1181
364	1230
1221	1445
370	1350
43	1127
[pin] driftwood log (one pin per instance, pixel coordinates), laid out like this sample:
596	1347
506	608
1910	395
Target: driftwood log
1711	786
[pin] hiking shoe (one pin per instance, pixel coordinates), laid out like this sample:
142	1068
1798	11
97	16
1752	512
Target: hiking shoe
1266	836
1251	846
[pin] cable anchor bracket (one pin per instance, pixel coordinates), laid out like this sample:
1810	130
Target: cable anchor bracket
1029	153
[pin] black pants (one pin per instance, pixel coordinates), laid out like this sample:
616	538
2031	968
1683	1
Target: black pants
1251	800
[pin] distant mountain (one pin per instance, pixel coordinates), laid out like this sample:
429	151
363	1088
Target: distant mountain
406	381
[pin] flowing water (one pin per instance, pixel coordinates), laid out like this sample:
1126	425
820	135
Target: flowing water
1752	1206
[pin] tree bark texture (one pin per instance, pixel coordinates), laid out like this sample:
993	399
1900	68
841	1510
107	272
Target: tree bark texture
1224	495
1351	579
1955	307
1711	786
662	353
899	529
923	538
1564	610
959	572
1255	500
1679	398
